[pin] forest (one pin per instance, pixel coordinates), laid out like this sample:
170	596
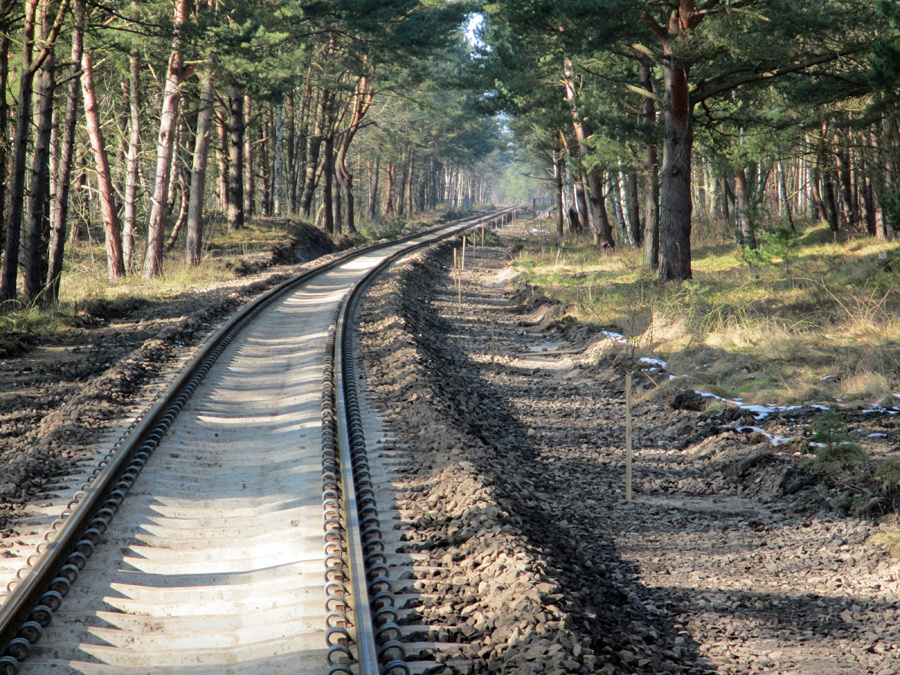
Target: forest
146	123
143	123
657	115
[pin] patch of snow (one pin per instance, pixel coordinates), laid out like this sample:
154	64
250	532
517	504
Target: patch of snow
761	412
708	395
774	440
880	410
616	337
877	435
653	362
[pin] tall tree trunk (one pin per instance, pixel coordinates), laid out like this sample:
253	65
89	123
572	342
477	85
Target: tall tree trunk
328	180
115	263
373	188
401	189
784	197
182	180
60	210
249	176
82	197
615	190
559	168
388	207
845	180
198	170
4	115
411	169
651	208
291	150
675	198
745	226
28	69
34	243
582	216
632	208
361	100
132	160
264	162
868	201
174	168
165	146
315	147
829	199
278	168
222	161
650	169
675	206
602	228
10	269
236	167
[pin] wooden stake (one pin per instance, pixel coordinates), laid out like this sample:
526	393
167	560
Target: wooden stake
462	264
493	342
629	450
459	288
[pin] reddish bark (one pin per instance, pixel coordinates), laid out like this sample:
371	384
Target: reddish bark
675	200
115	264
165	145
360	101
131	161
198	170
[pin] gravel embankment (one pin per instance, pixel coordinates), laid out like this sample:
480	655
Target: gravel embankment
729	560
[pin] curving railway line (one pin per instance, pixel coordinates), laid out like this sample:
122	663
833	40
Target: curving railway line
234	529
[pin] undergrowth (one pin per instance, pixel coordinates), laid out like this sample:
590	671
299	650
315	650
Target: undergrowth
85	287
836	453
802	319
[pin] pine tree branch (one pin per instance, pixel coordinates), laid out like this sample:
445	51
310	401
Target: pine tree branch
704	94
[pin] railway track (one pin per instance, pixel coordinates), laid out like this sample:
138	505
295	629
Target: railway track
235	529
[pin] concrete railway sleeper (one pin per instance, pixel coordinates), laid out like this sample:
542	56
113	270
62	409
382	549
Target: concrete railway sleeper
196	545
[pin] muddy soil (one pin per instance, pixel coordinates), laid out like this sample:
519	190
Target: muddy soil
733	557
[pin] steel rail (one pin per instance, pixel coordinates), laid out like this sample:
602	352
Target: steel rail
379	647
34	598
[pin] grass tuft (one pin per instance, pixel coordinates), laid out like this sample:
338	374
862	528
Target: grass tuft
889	540
887	474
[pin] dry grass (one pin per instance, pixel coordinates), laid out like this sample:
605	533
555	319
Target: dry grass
84	278
808	319
889	540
